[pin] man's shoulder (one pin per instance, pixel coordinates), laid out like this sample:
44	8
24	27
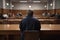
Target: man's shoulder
34	18
24	20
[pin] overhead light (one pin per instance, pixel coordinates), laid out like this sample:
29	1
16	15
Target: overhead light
45	6
36	1
29	6
7	4
51	4
22	1
12	5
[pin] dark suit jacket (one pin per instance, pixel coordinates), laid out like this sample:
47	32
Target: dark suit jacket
30	23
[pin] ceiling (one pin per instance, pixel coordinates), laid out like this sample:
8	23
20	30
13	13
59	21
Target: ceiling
30	0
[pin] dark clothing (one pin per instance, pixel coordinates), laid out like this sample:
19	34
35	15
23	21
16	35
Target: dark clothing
29	24
1	16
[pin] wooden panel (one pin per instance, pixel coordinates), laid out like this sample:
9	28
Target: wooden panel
54	11
37	13
50	11
32	35
6	10
0	10
44	35
58	11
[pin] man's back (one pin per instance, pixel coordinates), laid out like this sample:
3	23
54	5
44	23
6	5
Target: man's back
30	24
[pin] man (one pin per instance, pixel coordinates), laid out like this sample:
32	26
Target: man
29	24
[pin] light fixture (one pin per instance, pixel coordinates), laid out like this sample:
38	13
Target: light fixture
51	4
22	1
36	1
12	5
29	6
7	4
45	6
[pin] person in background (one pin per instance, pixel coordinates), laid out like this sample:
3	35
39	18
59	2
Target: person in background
29	24
1	16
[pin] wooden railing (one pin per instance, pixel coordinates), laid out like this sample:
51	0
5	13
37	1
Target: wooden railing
17	21
44	35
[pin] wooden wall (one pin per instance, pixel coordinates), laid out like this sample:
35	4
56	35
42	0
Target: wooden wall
54	11
24	11
37	13
58	11
1	10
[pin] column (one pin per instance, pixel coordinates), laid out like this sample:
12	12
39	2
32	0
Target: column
54	6
3	4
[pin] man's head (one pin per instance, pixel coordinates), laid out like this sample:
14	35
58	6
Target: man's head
30	13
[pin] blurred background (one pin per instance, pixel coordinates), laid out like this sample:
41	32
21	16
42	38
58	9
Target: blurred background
13	11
